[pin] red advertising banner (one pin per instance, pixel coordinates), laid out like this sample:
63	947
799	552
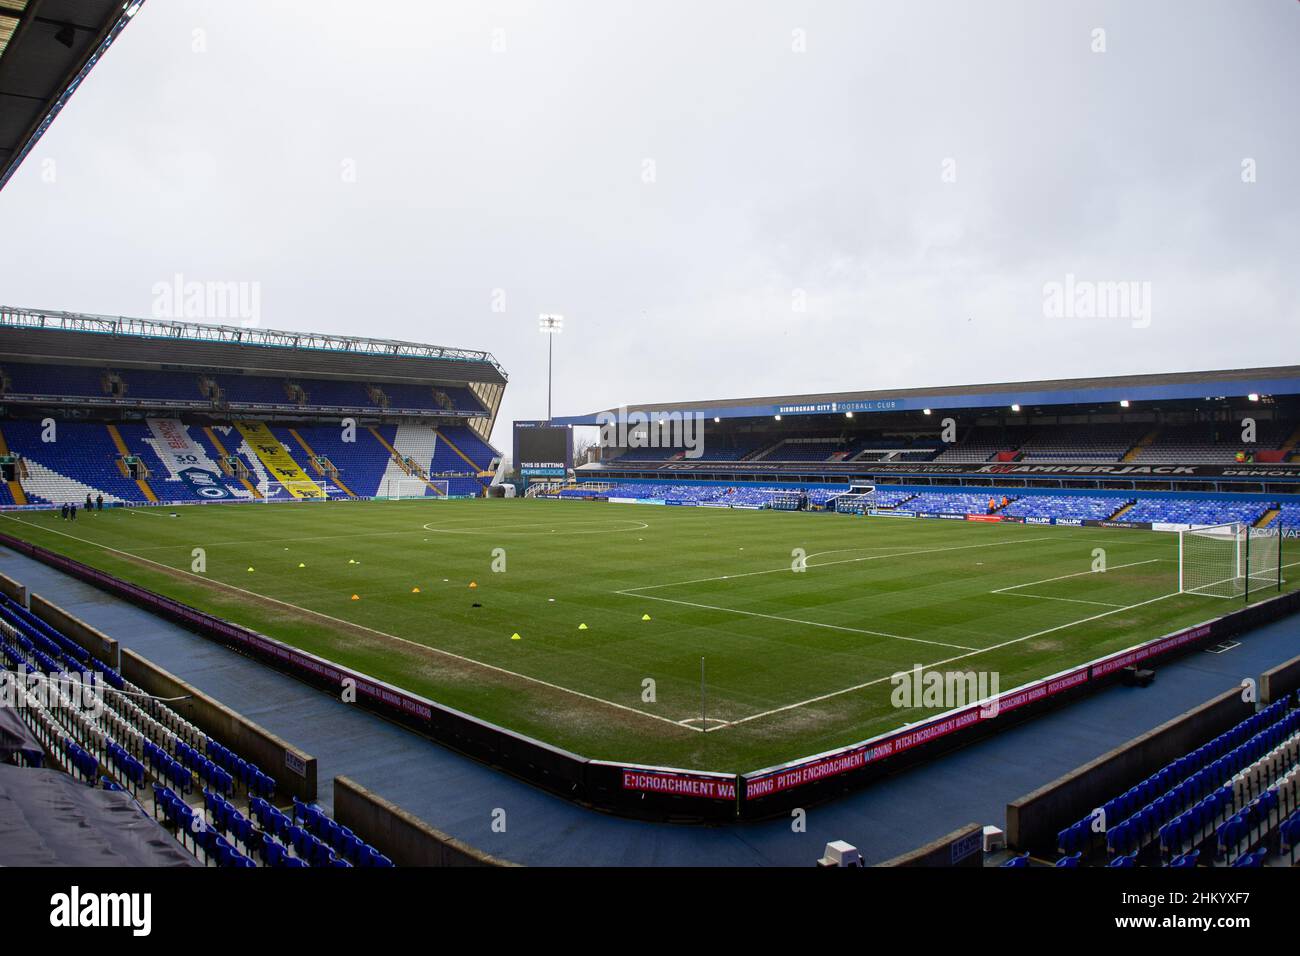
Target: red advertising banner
1154	649
833	765
676	783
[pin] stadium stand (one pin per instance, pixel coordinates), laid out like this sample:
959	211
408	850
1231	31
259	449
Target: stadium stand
1203	443
1234	801
109	734
1196	510
1083	507
1082	442
81	460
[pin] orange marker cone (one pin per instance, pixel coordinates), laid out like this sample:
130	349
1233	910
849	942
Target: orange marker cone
356	597
473	585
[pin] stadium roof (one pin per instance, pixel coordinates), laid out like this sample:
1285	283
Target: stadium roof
47	47
34	335
1169	386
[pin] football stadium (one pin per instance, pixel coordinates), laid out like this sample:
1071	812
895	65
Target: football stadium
278	597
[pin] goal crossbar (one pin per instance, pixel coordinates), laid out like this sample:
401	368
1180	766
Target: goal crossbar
1228	560
398	489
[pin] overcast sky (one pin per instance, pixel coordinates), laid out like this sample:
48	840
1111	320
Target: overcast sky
723	199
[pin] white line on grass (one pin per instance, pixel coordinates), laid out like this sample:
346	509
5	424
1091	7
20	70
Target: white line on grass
1011	590
1076	574
394	637
638	591
1048	597
826	564
950	660
795	620
640	526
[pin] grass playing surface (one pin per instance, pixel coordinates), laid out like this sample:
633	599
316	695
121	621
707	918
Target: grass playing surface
795	662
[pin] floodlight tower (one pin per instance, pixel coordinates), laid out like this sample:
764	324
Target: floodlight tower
551	326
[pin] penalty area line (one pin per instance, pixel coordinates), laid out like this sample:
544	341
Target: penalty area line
950	660
826	564
794	620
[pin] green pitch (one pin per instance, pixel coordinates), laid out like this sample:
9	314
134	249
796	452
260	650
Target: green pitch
796	661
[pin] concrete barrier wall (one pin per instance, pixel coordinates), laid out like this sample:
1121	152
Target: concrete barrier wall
1034	820
401	836
962	847
294	771
1279	681
95	641
13	589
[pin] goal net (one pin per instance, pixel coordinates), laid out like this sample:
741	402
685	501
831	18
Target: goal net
858	500
1228	560
396	489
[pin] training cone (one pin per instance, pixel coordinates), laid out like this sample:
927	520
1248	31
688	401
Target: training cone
415	590
582	627
473	585
301	565
645	617
250	569
356	597
350	561
514	637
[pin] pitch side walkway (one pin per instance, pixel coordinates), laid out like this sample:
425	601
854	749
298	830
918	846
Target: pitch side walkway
458	795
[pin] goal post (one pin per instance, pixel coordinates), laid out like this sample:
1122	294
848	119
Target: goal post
398	489
1229	560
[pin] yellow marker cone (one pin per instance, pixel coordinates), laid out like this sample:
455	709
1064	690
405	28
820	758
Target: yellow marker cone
473	584
250	569
645	617
582	627
301	565
350	561
514	637
415	590
356	597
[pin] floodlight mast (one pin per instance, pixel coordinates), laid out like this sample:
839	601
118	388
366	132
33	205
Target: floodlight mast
550	326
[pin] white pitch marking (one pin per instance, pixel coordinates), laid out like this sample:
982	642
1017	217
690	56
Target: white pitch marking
1076	574
393	637
983	650
826	564
640	526
795	620
1048	597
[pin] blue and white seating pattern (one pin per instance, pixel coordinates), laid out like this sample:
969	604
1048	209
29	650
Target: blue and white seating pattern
1196	510
1222	803
129	740
1082	507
